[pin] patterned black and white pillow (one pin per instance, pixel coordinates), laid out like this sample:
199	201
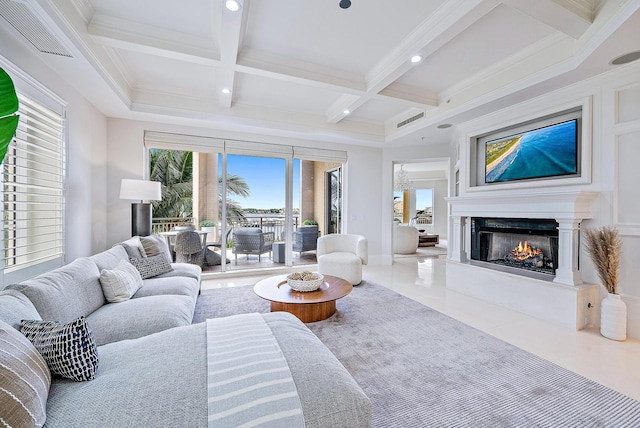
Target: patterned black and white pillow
152	266
69	349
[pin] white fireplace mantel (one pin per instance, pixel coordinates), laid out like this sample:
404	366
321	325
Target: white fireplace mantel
568	208
533	296
566	205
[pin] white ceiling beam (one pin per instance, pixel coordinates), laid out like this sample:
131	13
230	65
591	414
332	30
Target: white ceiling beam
231	29
284	70
407	95
136	37
451	19
560	15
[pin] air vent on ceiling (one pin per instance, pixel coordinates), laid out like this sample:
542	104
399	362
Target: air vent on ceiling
20	16
411	119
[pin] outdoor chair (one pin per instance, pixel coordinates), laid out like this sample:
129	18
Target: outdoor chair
189	249
343	255
252	241
305	239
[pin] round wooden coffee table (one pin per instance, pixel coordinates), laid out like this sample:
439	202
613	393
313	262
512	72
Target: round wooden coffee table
308	306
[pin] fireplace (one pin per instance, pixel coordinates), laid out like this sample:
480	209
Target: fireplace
519	245
548	219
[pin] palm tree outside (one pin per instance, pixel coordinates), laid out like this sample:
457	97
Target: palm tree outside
174	170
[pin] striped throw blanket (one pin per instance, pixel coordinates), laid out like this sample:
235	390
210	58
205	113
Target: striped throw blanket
249	381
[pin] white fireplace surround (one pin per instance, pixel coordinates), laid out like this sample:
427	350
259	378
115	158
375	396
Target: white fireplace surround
563	301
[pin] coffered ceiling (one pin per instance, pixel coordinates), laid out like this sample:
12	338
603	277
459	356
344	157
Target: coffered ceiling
310	69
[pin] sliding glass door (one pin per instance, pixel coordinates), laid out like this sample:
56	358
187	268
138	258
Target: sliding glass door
333	206
259	205
255	210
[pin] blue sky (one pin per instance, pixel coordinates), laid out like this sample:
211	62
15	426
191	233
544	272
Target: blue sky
424	198
266	180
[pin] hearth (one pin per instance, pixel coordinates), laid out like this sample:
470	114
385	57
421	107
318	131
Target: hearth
520	245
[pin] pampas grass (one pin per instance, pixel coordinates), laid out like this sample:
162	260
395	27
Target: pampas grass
604	245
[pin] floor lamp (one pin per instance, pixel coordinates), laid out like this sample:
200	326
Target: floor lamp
142	190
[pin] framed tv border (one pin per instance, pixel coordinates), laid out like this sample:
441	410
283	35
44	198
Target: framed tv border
481	177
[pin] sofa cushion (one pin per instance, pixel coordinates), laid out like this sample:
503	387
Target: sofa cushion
16	307
121	283
154	381
69	349
24	380
110	258
160	286
183	269
140	317
151	266
66	293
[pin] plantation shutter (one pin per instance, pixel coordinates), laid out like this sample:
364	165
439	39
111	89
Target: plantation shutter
33	184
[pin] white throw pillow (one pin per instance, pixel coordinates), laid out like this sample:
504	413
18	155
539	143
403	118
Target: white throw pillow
121	283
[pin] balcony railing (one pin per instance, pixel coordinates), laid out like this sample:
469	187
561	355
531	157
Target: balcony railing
267	222
164	224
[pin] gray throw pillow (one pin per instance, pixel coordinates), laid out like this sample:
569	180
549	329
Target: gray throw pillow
151	246
154	245
132	252
69	349
152	266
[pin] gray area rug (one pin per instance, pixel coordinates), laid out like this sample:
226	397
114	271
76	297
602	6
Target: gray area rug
421	368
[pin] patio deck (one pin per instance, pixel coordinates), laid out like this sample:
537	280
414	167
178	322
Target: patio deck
266	261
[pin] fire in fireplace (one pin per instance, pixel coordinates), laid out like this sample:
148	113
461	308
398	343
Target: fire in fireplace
528	244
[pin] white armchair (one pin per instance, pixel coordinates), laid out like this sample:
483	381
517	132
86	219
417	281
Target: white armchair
342	255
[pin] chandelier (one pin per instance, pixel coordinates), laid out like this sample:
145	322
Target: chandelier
402	181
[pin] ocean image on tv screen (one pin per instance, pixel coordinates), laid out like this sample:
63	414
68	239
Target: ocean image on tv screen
544	152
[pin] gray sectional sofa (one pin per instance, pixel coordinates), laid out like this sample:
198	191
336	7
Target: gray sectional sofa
152	368
74	290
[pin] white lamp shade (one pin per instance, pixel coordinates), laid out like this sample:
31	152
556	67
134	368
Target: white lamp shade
141	190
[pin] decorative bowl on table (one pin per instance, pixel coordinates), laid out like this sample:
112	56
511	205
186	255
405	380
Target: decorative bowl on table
304	281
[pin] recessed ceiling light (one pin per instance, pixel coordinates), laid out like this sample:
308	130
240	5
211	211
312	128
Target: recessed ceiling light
416	59
226	91
626	58
232	5
347	111
444	126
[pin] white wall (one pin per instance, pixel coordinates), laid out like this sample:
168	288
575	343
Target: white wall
440	210
126	159
614	101
86	152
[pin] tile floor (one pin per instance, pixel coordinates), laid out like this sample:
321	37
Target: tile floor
422	278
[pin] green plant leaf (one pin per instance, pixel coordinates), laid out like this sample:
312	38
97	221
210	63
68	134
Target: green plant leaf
8	109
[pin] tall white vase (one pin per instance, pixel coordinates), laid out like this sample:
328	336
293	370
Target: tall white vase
613	318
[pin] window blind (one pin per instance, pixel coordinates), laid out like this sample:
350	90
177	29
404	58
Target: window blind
323	155
189	143
33	183
195	143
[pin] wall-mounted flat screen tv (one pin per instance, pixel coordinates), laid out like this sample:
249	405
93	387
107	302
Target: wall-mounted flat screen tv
550	151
